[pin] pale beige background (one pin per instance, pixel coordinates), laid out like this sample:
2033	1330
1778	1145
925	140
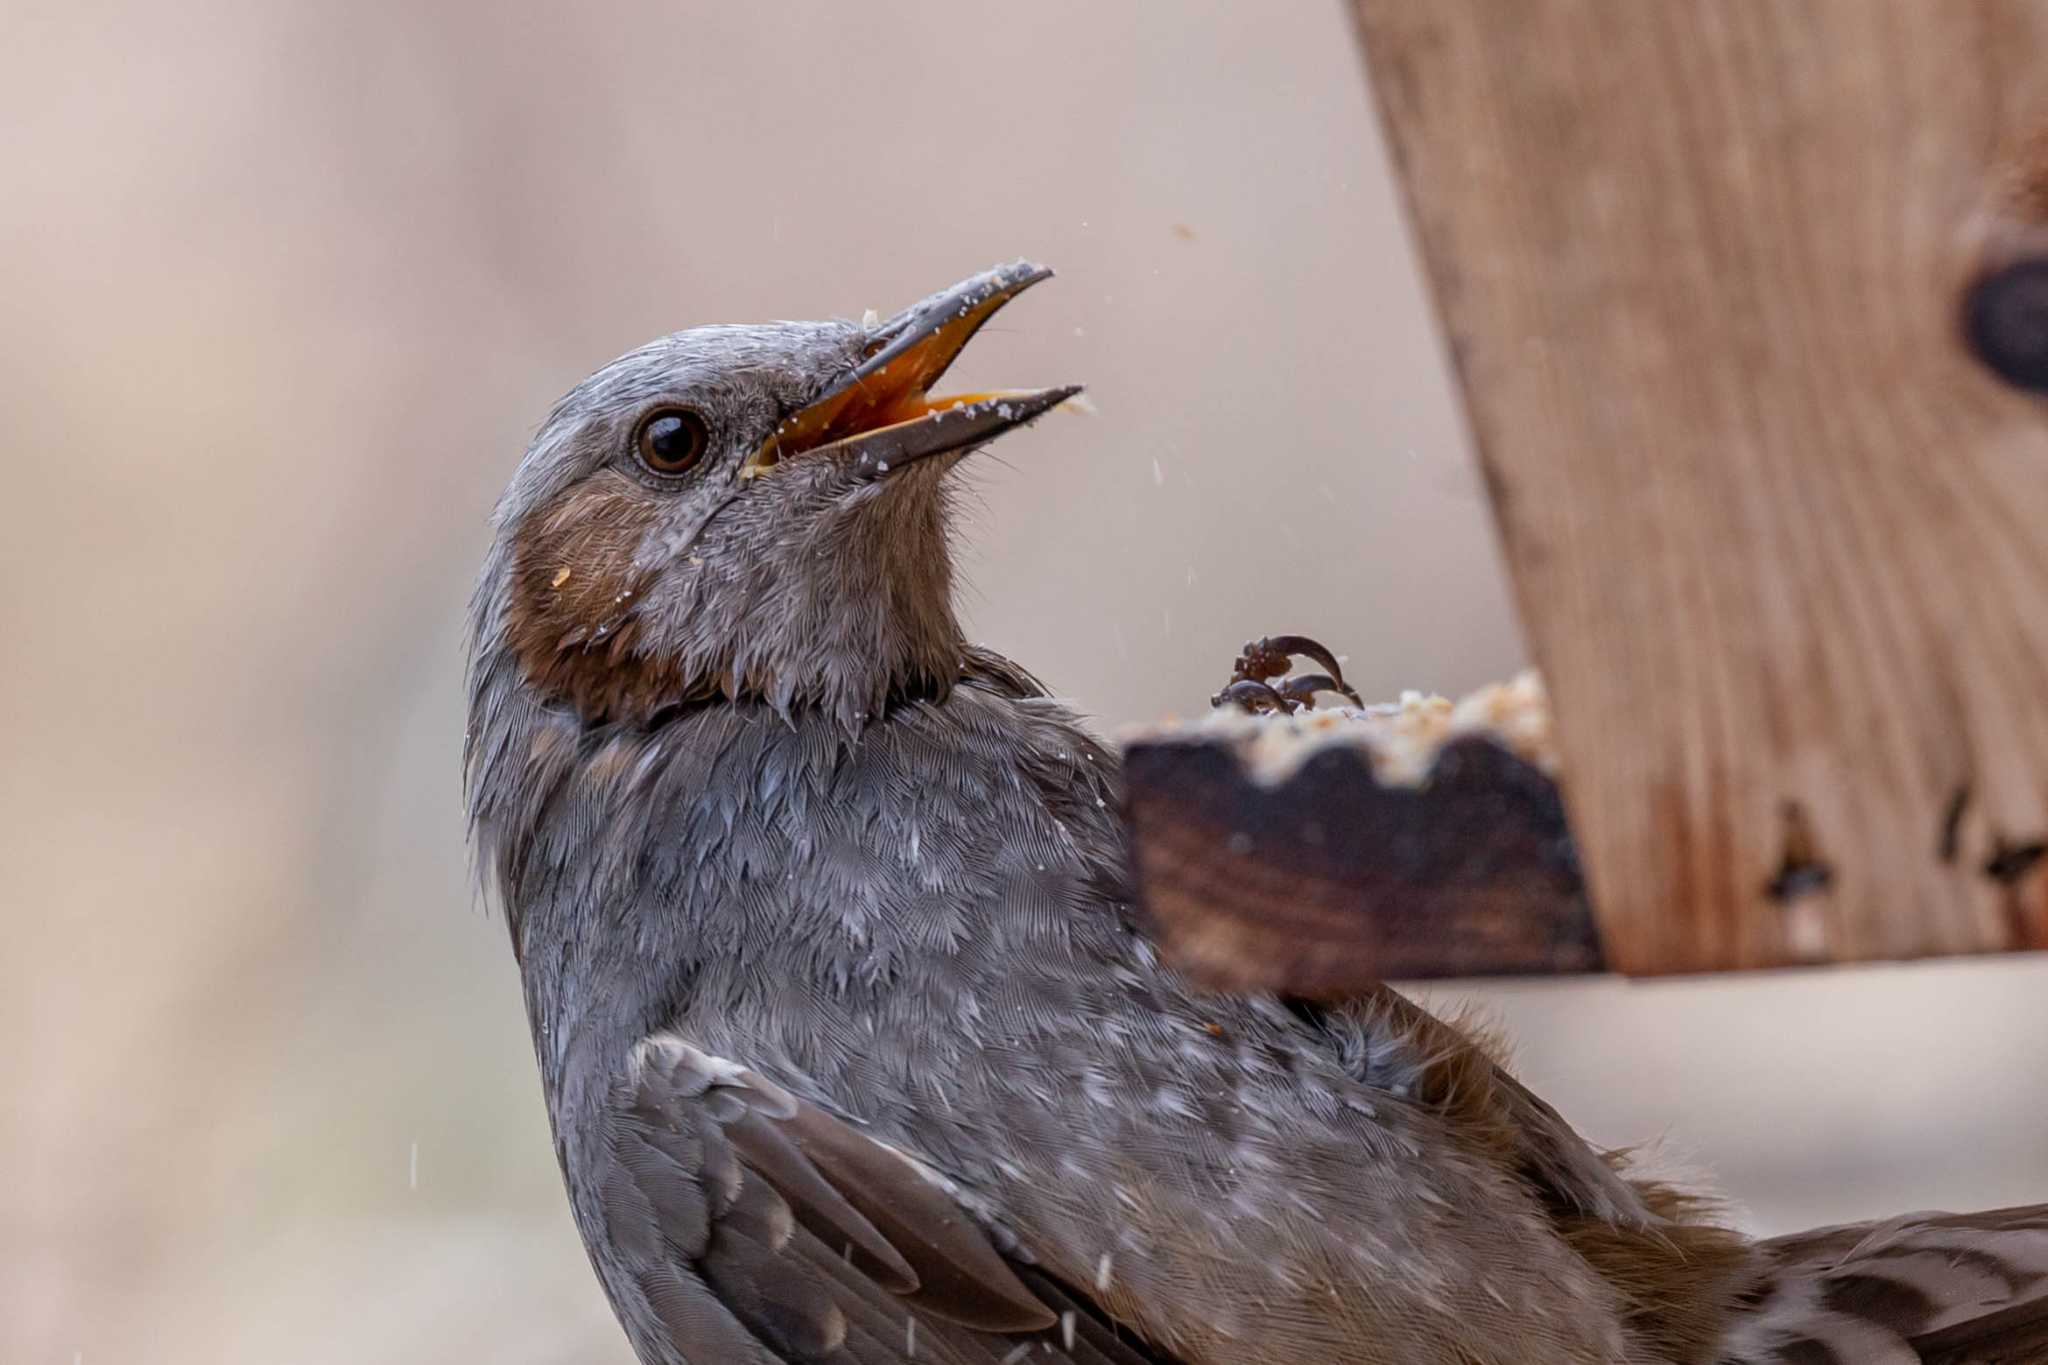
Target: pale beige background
287	286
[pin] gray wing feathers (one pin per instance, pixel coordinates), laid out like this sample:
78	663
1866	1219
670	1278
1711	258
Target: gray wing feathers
760	1229
957	1273
1924	1287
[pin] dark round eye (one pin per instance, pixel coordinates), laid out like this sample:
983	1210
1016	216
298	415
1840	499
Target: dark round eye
671	441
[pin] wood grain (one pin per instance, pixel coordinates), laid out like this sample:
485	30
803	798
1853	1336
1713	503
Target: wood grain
1328	882
1780	539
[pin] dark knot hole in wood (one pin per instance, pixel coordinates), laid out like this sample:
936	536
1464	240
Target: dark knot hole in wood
2005	322
2011	860
1801	871
1950	843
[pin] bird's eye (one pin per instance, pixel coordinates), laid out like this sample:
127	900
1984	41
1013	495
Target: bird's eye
671	441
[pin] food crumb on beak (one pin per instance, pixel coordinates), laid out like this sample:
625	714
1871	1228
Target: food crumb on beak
871	319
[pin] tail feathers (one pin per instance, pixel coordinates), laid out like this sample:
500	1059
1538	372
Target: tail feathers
1919	1289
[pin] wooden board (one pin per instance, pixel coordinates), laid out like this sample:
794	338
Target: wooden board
1779	538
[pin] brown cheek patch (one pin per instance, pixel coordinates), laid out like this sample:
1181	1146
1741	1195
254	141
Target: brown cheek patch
574	585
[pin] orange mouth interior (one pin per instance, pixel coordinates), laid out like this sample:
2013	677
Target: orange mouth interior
894	394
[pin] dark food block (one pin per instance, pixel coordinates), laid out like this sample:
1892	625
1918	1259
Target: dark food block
1326	880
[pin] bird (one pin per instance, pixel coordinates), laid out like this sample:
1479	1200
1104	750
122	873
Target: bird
852	1041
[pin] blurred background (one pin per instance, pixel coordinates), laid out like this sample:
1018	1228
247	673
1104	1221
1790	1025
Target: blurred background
289	286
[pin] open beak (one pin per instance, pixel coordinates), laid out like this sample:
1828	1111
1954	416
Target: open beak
883	415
